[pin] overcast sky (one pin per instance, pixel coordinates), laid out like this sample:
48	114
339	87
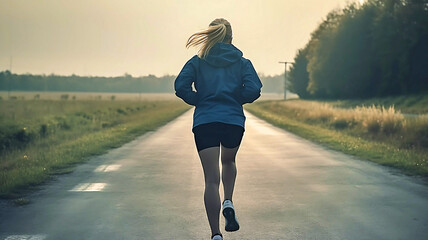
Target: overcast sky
141	37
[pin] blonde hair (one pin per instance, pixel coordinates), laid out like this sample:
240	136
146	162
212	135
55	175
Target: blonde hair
219	30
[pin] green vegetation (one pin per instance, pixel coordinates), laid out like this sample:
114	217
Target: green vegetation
121	84
363	54
375	133
42	137
376	49
74	83
414	104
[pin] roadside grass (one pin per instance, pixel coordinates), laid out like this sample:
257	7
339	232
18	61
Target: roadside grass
41	138
379	134
413	104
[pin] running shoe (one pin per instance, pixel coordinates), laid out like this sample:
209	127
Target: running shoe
217	237
230	216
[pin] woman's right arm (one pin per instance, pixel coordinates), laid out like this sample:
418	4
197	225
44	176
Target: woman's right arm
184	80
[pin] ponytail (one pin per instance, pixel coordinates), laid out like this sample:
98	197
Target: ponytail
218	31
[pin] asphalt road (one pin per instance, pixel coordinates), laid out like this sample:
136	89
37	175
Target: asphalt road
287	188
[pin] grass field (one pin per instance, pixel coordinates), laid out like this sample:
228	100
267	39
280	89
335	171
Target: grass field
108	96
39	138
376	133
19	95
415	104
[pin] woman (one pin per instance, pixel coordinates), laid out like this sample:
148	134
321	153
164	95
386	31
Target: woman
223	81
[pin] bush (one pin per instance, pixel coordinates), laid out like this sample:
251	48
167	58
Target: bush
340	123
372	126
23	136
415	132
83	115
121	111
62	123
422	135
43	130
380	119
105	124
15	137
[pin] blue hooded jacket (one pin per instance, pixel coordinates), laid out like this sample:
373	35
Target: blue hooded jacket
224	81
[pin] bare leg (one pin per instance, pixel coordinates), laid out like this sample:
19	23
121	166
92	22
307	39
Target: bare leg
228	173
209	159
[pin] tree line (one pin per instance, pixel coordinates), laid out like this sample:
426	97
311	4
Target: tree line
376	49
126	83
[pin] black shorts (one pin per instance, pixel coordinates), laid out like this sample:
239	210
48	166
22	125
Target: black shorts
216	133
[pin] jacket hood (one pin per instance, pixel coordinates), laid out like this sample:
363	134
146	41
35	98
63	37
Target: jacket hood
223	54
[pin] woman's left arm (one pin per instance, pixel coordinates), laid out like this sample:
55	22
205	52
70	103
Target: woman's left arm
184	80
251	83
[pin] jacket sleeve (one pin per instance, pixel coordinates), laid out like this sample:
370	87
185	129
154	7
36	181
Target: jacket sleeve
184	80
251	83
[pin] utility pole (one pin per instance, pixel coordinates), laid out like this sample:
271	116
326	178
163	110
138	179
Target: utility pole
285	79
